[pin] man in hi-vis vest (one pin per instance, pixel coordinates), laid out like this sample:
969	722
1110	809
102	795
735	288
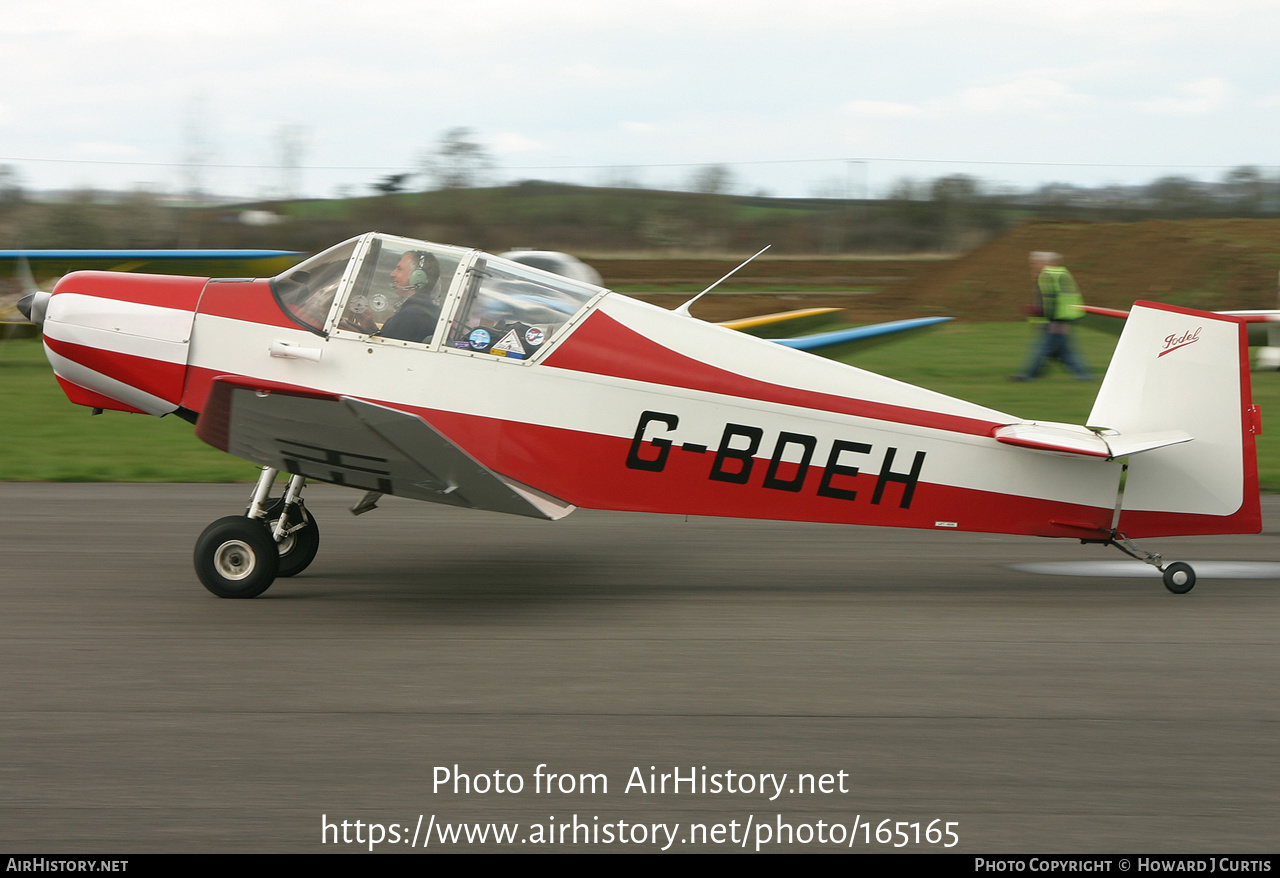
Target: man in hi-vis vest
1060	305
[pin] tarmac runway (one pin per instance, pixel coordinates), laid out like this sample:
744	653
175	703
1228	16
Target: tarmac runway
902	681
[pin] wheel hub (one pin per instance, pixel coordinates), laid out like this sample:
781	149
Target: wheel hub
286	543
234	560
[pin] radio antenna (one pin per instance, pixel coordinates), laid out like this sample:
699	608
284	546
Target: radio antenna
684	309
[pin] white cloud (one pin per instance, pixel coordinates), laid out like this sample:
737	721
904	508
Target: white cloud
583	83
883	109
508	142
1024	94
102	149
1193	98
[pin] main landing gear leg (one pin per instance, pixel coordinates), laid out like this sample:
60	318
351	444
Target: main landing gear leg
239	556
296	533
1179	576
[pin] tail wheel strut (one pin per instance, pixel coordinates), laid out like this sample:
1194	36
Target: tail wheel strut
1179	576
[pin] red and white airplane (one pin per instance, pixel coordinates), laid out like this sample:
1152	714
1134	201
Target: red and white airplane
395	366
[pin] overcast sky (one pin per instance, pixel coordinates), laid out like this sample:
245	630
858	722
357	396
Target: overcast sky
798	97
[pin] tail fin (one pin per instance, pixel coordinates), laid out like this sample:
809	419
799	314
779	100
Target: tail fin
1179	369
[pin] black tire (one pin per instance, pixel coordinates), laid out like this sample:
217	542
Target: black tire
235	557
1179	578
299	548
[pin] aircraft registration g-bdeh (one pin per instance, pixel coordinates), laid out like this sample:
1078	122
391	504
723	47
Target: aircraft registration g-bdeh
439	373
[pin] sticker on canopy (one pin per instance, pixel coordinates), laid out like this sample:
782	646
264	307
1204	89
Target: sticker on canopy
510	344
480	339
535	336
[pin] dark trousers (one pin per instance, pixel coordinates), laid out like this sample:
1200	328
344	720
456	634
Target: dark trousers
1050	345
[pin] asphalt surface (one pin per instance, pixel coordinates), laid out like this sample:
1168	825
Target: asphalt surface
1035	713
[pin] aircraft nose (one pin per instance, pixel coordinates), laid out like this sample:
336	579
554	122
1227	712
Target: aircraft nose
33	307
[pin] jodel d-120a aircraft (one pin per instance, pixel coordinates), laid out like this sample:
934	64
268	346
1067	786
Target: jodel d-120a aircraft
400	367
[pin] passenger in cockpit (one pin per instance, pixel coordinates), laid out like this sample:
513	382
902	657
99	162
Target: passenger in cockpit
415	277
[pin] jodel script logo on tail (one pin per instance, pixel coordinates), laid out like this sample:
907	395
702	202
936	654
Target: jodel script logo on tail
1173	342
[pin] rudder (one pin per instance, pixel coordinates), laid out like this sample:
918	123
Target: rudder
1180	369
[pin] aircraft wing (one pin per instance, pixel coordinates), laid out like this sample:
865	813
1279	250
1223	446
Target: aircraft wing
358	444
200	263
838	343
783	327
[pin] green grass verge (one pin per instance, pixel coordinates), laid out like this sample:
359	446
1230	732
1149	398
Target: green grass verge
43	437
972	361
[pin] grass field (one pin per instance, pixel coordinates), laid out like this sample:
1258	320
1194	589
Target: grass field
43	437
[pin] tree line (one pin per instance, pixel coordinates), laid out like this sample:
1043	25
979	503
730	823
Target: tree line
451	197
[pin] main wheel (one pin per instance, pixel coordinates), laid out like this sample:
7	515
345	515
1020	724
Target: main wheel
1179	578
298	549
235	557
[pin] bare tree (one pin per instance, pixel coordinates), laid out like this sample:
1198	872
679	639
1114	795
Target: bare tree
291	143
11	194
956	188
712	180
140	219
459	162
1176	195
1246	187
197	151
907	189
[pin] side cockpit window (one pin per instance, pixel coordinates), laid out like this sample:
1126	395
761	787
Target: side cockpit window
405	292
306	291
400	291
514	312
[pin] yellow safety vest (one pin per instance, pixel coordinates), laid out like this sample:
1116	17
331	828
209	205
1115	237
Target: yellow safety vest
1060	298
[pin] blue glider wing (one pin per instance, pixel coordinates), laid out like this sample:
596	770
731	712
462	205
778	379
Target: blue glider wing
838	343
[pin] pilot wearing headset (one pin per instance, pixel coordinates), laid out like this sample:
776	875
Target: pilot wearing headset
414	277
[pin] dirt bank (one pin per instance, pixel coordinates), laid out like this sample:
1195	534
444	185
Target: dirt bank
1211	264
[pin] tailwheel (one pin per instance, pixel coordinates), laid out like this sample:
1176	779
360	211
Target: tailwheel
236	557
1179	577
301	538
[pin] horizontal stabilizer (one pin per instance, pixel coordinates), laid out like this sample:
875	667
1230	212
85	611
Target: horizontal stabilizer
1073	440
1127	445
